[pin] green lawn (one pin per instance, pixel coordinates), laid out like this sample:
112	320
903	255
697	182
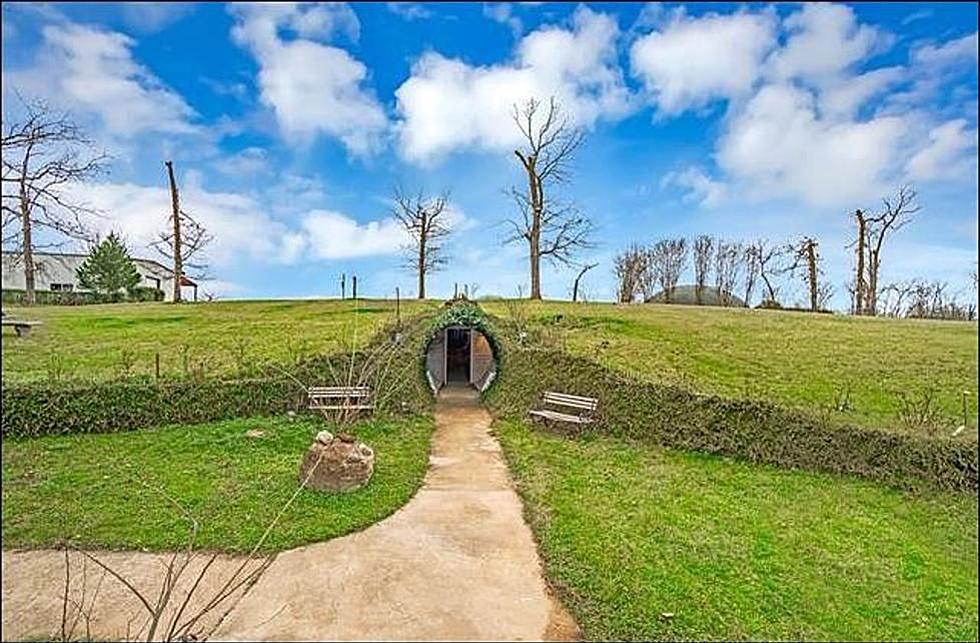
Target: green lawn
108	340
739	551
794	359
86	487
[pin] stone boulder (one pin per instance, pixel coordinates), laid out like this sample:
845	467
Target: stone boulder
344	464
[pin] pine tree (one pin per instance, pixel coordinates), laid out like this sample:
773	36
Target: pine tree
108	269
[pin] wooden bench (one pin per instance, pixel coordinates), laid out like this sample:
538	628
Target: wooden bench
585	406
21	327
340	398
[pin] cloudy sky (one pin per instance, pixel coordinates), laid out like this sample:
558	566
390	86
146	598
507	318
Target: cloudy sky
289	126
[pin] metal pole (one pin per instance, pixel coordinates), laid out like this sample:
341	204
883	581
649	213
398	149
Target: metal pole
354	287
343	285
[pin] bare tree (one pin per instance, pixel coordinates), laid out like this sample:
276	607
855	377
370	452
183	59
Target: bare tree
667	259
423	218
807	262
578	278
631	267
750	263
873	230
43	155
703	248
551	229
727	265
184	240
771	259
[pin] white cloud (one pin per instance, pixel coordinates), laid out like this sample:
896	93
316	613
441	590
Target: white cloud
240	227
691	61
844	97
150	17
448	105
313	88
702	188
951	153
332	235
409	10
503	12
779	146
952	52
825	39
244	164
92	70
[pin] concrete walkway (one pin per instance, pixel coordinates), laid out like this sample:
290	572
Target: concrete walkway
456	563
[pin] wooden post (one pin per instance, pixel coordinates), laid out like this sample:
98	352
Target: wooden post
398	310
178	267
343	286
157	365
455	290
354	287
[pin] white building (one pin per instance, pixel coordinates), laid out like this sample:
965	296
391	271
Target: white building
57	272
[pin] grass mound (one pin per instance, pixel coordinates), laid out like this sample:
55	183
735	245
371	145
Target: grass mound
738	551
104	491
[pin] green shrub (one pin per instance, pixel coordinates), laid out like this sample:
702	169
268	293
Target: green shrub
750	430
83	297
140	402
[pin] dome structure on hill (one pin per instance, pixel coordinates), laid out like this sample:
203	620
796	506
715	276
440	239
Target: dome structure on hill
687	294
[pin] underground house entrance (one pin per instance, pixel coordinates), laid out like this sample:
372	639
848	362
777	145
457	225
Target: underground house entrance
460	356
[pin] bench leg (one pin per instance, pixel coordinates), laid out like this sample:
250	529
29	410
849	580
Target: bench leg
22	331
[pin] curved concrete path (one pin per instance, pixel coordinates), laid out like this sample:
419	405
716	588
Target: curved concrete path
456	563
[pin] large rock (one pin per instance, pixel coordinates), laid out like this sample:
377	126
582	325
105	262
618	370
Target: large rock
336	463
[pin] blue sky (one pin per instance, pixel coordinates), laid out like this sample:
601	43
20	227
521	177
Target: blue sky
290	124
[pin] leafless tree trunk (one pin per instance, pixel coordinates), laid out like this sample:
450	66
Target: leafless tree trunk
42	156
631	266
423	219
703	247
808	259
771	260
750	261
667	259
727	264
184	241
578	278
175	219
551	230
896	214
860	283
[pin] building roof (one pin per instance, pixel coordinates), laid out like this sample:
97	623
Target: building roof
145	263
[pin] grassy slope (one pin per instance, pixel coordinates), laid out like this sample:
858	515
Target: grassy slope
793	359
737	551
92	341
85	487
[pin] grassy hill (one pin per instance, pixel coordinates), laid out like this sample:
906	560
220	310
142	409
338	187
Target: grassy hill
688	294
796	360
107	340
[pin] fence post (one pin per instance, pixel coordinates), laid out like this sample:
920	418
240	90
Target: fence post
354	287
157	365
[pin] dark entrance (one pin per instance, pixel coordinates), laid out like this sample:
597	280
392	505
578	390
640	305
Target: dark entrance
458	355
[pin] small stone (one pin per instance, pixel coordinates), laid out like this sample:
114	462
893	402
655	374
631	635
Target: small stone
666	616
324	437
254	433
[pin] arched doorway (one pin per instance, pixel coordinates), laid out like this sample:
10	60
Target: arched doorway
460	355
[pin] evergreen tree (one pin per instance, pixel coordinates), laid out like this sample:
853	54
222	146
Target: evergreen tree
108	269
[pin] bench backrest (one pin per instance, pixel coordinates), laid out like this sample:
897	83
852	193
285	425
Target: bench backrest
572	401
339	391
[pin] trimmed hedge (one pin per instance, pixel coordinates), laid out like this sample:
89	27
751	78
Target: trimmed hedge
750	430
136	403
83	297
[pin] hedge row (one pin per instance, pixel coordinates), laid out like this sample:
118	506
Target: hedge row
750	430
80	298
135	403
